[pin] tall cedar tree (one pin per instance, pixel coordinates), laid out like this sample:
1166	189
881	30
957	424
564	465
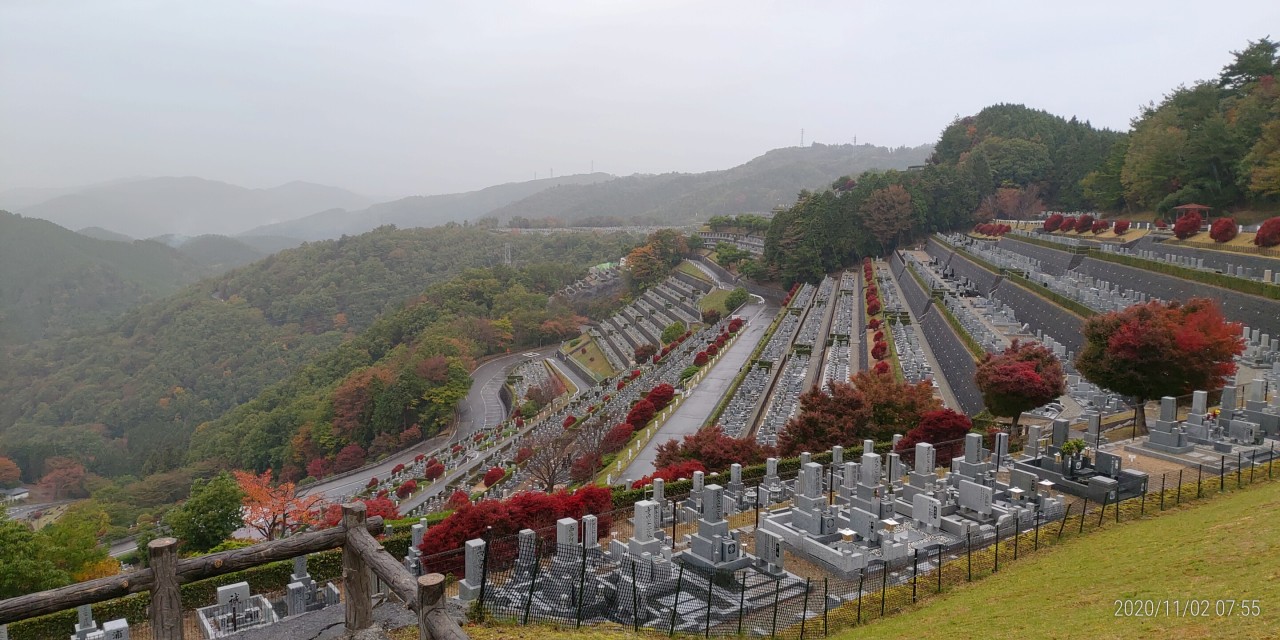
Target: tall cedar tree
1160	349
1027	375
887	214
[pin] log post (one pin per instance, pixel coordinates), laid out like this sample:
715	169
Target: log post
166	600
434	622
357	591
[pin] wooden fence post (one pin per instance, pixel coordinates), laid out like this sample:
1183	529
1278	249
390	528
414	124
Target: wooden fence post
433	621
166	600
357	592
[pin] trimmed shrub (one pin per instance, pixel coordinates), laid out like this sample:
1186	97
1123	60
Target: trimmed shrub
1121	227
1268	234
1223	230
1053	222
1188	225
1100	225
1067	225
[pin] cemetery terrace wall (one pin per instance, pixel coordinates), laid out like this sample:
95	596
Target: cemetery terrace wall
983	279
1212	259
958	366
1052	262
1042	315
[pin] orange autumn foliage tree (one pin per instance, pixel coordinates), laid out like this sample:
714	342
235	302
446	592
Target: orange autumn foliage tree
275	510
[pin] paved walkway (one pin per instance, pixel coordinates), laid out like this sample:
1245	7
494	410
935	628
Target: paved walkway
944	389
690	415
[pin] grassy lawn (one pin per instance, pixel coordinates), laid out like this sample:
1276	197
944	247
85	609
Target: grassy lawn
588	354
687	268
715	300
1224	549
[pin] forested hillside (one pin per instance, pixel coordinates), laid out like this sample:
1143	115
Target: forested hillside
1216	143
53	280
126	400
681	198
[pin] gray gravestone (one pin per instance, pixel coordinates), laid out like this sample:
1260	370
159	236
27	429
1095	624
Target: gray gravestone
837	455
975	497
1169	408
659	490
869	470
1200	402
566	532
234	596
589	531
116	630
926	458
417	531
927	510
296	599
646	518
973	448
713	503
1032	447
769	548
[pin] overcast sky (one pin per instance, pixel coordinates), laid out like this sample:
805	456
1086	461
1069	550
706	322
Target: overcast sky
414	97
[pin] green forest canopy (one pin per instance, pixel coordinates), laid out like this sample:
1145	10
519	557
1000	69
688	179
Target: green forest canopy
1217	142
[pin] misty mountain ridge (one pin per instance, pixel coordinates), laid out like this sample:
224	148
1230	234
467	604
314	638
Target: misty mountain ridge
186	205
765	182
420	211
760	184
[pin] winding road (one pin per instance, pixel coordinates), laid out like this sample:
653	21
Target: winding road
481	409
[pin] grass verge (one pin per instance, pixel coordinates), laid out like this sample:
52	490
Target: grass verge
1212	551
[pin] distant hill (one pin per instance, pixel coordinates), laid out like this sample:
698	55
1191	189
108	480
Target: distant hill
675	198
191	206
104	234
220	253
53	280
419	211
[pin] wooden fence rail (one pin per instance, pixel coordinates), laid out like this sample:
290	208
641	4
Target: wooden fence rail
361	554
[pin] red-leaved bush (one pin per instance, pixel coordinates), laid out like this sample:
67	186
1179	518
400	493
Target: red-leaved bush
1067	225
1121	227
881	368
1161	224
874	324
1053	222
524	454
879	350
674	472
1268	234
617	438
1187	225
1223	230
1100	225
433	471
405	490
504	518
1084	224
493	475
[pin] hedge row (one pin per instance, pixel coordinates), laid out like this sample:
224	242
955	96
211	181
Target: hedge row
1253	287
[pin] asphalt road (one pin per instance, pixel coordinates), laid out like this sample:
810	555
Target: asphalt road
481	408
690	416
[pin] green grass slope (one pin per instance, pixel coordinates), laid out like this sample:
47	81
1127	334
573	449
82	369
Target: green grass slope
1224	549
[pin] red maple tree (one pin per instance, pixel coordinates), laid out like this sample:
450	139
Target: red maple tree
715	450
274	509
1025	376
1157	349
943	427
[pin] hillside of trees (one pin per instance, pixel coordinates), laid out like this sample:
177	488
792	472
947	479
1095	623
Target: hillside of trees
54	280
125	400
1217	143
680	198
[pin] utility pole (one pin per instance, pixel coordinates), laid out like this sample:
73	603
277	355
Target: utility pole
802	137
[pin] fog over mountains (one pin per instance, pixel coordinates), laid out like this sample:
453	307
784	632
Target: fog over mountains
187	207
